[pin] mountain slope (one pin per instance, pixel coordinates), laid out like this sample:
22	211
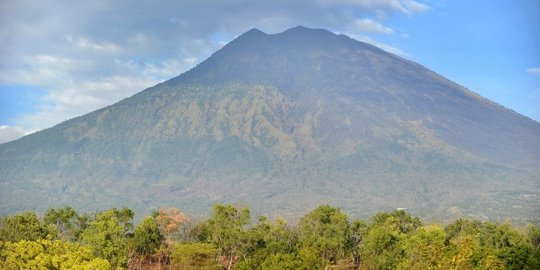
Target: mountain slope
286	122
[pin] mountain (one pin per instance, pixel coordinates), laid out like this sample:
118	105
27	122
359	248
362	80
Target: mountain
284	123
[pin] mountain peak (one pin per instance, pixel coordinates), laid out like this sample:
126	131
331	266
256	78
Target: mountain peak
284	59
253	32
296	32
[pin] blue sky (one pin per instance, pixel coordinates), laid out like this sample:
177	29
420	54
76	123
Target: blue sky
61	59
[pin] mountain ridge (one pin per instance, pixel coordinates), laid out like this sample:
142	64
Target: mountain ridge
286	122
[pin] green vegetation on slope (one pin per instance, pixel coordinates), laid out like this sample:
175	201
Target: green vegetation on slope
324	238
198	145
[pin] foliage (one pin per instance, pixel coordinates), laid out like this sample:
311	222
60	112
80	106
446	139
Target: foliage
227	230
533	236
311	259
381	248
358	229
383	243
266	239
147	237
326	230
195	256
47	254
281	261
424	249
399	221
24	226
107	235
323	239
67	222
170	221
478	244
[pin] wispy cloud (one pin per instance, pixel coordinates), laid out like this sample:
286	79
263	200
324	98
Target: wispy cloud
368	25
534	71
86	44
9	133
405	6
414	7
381	45
86	55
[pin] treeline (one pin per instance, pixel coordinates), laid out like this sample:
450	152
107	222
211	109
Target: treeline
325	238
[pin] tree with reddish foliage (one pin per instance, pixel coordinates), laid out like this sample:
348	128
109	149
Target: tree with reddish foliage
170	221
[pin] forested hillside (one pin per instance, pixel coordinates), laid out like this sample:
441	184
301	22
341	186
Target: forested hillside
325	238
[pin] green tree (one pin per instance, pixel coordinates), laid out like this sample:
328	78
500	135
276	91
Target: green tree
107	235
326	230
465	246
424	249
226	228
67	222
382	245
358	228
398	220
47	254
147	237
381	248
533	236
23	226
266	239
311	258
492	241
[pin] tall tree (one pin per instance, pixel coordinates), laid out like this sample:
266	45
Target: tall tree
326	230
382	245
227	230
424	249
107	234
358	228
147	237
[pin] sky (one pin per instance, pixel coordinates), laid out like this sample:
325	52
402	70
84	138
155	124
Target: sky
60	59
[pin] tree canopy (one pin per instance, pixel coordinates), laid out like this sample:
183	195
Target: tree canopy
324	238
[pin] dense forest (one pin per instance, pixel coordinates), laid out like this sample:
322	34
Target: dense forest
325	238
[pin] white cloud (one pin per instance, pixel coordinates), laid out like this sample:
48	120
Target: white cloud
380	45
86	44
70	95
413	6
534	70
368	25
73	98
10	133
405	6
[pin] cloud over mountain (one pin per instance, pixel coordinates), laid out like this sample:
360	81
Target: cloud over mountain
69	50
